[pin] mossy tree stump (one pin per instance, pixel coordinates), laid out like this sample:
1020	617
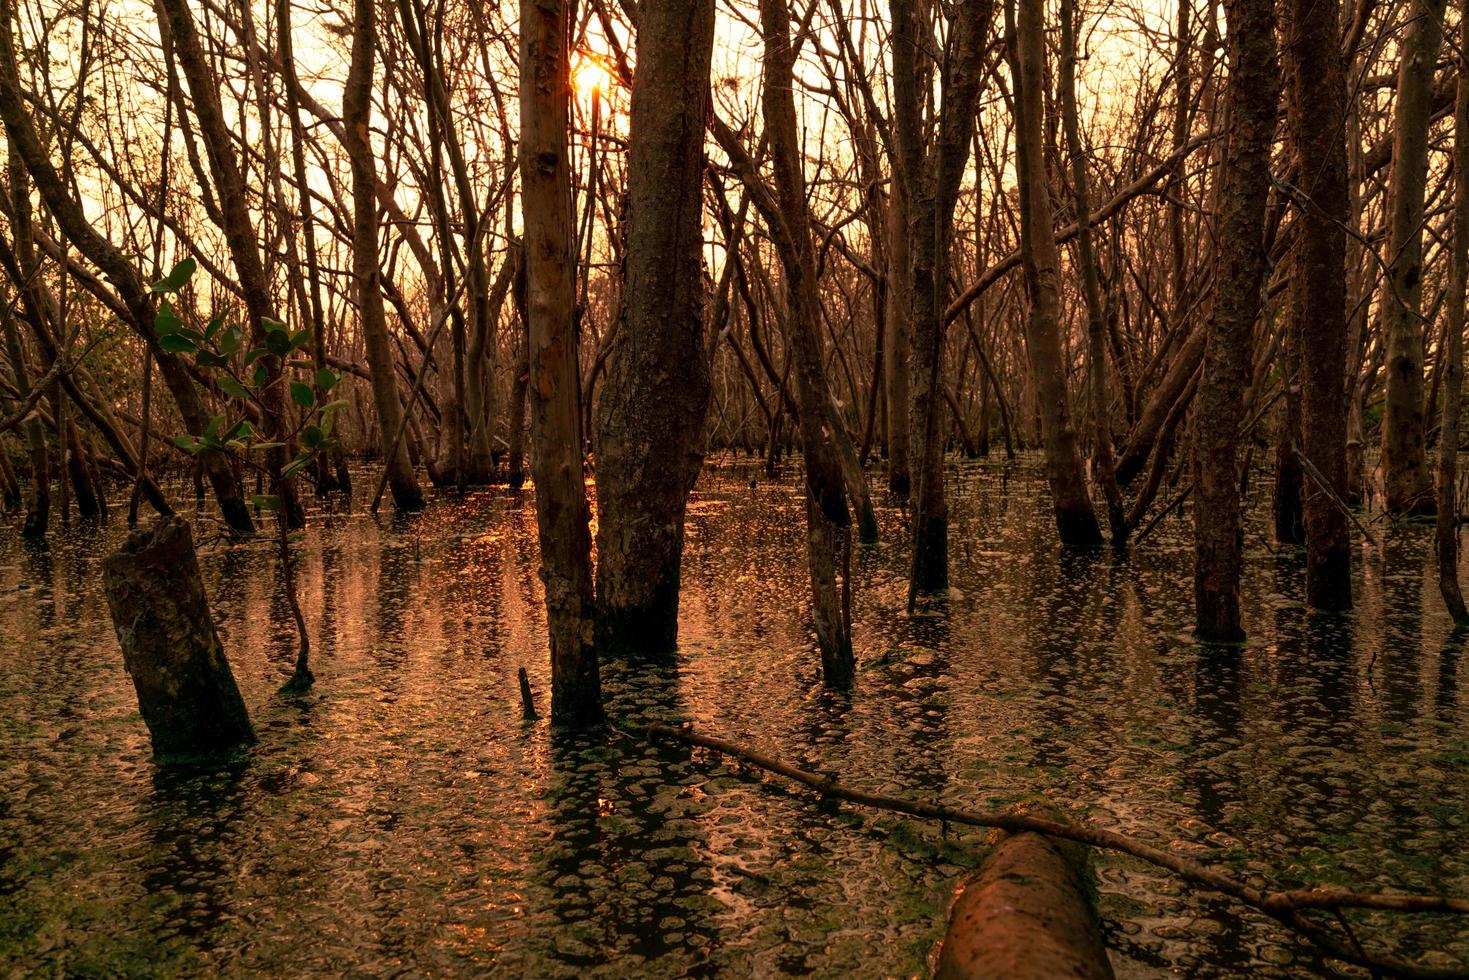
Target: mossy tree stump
186	692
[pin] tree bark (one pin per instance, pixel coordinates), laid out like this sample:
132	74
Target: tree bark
186	692
366	271
1253	93
1076	521
1026	915
1096	311
828	522
1316	112
897	339
1447	533
1404	458
650	418
555	389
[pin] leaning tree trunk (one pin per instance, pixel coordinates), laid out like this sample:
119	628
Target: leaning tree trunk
555	391
1447	538
1404	459
828	523
1253	91
650	418
1076	521
186	692
366	272
1316	111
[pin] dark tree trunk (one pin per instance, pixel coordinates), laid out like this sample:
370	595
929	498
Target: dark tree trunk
1316	112
1076	521
650	418
366	272
1404	459
1254	88
1447	536
186	692
828	522
555	387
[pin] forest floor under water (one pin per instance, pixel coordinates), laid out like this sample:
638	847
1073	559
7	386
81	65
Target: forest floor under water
402	819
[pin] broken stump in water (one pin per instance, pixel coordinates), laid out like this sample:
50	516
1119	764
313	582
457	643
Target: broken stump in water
1027	914
186	692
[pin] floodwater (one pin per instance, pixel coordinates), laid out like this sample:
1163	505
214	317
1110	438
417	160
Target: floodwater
403	820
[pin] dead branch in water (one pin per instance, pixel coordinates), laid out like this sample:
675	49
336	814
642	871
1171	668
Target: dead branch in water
1287	907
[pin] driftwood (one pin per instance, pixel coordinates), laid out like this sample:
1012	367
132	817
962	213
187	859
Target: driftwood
1026	915
186	692
1288	907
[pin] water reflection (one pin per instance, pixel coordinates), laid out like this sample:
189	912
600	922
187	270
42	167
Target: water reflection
404	818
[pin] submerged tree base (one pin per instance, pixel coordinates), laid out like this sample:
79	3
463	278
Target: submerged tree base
186	691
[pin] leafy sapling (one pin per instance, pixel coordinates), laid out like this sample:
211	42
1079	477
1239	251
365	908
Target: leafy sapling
247	377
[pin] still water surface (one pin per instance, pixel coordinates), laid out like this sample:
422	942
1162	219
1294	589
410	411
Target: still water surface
403	820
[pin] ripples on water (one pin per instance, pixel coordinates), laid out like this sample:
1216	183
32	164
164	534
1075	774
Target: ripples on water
403	819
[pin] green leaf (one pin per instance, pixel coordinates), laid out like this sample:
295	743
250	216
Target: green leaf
177	344
330	407
278	342
187	443
266	501
261	375
231	341
209	359
297	465
300	337
262	446
302	394
272	326
176	279
166	321
255	355
233	388
326	379
215	322
240	430
312	437
212	428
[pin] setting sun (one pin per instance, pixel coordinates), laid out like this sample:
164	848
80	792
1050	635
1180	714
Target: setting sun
590	73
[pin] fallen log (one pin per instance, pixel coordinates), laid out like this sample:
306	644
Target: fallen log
1289	907
186	692
1026	915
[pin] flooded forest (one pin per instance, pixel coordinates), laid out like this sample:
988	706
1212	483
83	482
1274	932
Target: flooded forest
733	488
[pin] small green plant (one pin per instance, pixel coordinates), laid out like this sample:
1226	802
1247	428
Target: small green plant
250	379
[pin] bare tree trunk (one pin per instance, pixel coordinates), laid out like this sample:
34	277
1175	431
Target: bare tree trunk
366	271
186	691
1404	460
1096	328
239	231
1076	522
38	499
650	418
897	339
1447	536
555	388
1316	112
1254	88
828	523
